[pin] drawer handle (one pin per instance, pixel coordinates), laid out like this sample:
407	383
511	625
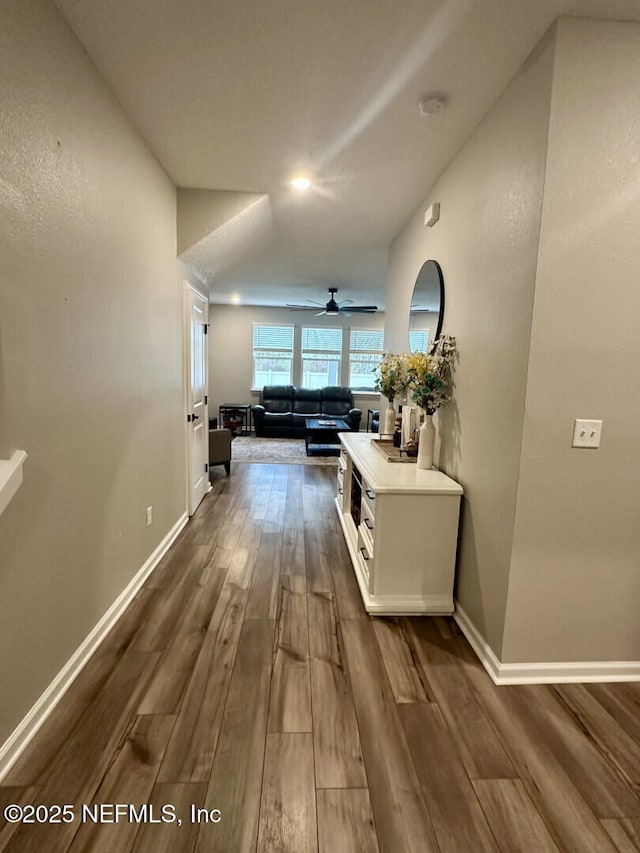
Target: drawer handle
368	524
341	470
341	491
371	495
364	554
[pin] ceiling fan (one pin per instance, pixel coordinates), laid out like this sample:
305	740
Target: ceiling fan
333	308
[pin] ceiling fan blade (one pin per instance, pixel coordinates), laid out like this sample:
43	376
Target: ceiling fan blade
333	308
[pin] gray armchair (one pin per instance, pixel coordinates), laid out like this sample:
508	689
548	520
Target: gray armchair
220	448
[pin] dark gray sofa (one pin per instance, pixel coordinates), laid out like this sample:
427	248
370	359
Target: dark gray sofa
282	409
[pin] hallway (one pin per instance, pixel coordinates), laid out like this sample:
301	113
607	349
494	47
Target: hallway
247	681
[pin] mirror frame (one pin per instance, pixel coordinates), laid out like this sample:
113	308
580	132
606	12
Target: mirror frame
438	269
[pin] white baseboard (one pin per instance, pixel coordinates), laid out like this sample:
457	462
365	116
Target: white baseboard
17	742
401	605
398	605
543	673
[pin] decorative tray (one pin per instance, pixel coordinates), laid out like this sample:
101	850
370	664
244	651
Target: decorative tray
391	453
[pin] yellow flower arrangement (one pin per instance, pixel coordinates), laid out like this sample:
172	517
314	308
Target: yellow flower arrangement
430	374
391	375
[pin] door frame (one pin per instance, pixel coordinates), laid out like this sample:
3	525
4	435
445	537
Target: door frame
186	339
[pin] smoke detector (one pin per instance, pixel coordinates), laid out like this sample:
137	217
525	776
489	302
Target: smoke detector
431	105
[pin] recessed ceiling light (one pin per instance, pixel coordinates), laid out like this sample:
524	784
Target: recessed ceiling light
301	183
236	298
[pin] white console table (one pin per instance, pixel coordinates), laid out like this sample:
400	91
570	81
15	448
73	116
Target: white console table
401	527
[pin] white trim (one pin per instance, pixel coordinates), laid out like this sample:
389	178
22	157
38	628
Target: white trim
477	642
390	605
186	385
20	738
10	477
405	605
546	672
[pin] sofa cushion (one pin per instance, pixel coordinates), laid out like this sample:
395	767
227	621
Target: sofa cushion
336	400
307	401
299	423
278	419
277	399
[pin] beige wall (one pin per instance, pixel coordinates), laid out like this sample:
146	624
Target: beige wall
231	349
544	301
486	242
200	212
90	350
574	591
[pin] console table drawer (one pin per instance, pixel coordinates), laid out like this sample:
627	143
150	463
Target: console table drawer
365	556
368	520
368	503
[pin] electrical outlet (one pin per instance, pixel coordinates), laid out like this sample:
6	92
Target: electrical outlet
149	516
586	433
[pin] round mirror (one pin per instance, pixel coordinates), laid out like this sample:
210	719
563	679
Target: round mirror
427	308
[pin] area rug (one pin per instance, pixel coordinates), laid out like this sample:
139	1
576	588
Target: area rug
286	451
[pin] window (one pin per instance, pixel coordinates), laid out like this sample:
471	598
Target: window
418	341
272	355
313	357
321	356
365	352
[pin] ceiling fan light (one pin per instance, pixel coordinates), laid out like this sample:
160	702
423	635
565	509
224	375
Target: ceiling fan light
333	308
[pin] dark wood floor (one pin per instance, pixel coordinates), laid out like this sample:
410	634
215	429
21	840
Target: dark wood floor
246	677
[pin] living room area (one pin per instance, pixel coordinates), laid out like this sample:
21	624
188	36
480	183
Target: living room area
251	347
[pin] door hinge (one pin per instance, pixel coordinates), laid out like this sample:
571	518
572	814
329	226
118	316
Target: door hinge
206	399
206	328
206	468
188	419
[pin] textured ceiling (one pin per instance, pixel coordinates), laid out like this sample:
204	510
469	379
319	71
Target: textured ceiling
237	95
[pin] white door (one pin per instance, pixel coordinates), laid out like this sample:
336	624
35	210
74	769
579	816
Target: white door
197	316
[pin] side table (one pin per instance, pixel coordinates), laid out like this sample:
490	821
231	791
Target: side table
373	415
236	417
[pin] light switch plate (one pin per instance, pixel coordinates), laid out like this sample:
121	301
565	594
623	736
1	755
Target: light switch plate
587	433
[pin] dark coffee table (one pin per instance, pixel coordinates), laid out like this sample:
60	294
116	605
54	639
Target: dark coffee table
321	436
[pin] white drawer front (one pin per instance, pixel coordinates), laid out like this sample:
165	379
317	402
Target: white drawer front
367	521
368	501
365	555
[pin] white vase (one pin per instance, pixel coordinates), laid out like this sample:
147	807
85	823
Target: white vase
389	420
409	423
425	445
